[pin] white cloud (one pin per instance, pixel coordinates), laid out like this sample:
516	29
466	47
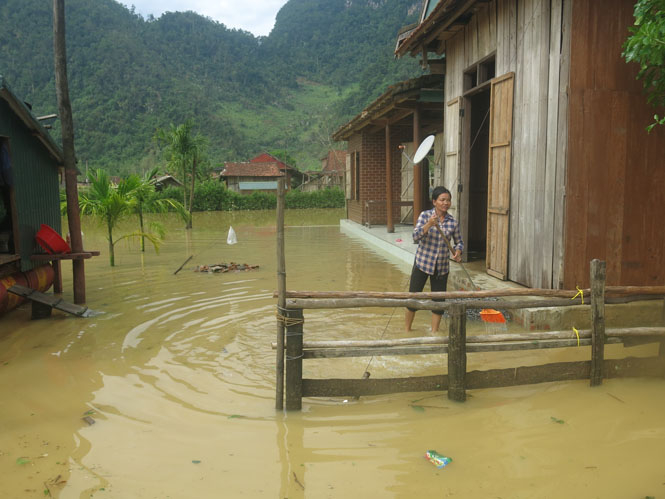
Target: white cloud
255	16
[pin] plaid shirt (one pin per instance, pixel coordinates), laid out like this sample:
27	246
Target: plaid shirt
432	254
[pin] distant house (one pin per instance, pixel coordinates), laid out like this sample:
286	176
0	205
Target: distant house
333	167
30	163
332	173
164	181
288	170
250	176
260	173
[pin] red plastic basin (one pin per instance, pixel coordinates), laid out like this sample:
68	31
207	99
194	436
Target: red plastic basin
51	241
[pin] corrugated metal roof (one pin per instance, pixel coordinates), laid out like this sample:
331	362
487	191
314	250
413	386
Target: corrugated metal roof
22	111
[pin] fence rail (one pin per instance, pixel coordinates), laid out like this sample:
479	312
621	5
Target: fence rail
457	344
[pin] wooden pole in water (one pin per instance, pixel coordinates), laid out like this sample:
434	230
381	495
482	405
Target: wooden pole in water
597	321
294	356
457	353
281	298
69	154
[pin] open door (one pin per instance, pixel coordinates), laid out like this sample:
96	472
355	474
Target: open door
452	163
498	192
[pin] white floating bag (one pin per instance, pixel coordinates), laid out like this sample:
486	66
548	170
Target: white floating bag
231	238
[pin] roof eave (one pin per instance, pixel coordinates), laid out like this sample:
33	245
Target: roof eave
30	122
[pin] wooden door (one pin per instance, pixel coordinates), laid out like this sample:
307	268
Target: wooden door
452	130
498	196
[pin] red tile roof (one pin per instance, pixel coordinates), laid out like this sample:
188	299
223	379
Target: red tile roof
251	169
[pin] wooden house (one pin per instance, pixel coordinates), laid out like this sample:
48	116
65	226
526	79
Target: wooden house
333	168
545	147
331	175
378	176
29	178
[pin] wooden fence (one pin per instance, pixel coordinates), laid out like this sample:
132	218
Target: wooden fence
457	344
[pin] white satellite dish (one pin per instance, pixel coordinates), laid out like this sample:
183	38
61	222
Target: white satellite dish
423	149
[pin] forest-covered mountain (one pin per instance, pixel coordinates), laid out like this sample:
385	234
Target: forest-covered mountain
128	76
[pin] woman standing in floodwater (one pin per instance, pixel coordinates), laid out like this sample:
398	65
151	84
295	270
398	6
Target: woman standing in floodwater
432	254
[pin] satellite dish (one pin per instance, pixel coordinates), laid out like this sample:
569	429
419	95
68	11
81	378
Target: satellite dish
423	149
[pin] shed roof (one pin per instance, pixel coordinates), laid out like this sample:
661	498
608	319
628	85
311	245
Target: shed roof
26	116
397	103
447	19
252	169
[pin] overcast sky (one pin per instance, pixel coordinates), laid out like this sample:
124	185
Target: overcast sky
255	16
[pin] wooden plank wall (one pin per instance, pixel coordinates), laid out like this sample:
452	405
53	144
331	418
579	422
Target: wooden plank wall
615	200
527	38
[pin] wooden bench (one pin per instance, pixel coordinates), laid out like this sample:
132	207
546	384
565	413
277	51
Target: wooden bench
55	259
42	304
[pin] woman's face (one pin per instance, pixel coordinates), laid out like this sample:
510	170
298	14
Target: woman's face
442	203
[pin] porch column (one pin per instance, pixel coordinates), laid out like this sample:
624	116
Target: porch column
389	183
417	169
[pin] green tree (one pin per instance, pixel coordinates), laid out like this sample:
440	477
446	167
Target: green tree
109	204
646	46
184	151
142	190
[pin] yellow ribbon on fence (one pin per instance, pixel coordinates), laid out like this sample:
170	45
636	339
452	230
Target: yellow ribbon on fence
577	333
580	293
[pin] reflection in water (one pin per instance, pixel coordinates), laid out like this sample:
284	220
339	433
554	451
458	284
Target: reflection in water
178	376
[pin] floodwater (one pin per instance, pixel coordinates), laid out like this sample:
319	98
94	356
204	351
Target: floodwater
178	376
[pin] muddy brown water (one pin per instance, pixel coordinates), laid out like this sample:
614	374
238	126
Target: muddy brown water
177	374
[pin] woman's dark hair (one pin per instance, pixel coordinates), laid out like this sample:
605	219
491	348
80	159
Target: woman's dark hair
438	191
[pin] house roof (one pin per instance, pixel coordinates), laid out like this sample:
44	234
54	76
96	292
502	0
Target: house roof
265	157
335	162
26	116
252	169
398	103
168	179
447	19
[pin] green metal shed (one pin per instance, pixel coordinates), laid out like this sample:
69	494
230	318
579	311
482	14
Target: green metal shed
30	162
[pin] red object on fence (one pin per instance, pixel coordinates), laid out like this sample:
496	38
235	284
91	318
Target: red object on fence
51	241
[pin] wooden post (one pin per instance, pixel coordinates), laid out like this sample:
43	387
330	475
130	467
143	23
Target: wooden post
389	183
294	332
417	169
57	276
457	353
281	298
69	155
597	321
661	348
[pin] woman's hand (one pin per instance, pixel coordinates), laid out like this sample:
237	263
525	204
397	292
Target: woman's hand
458	256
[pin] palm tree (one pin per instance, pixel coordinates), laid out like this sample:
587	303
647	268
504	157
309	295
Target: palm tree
142	190
183	152
110	204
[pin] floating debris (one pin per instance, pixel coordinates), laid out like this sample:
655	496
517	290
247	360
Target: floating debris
225	267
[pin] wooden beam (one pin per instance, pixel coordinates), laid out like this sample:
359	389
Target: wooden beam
417	170
597	321
389	182
494	378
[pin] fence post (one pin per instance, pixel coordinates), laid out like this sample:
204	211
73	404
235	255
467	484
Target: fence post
457	352
597	321
294	332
